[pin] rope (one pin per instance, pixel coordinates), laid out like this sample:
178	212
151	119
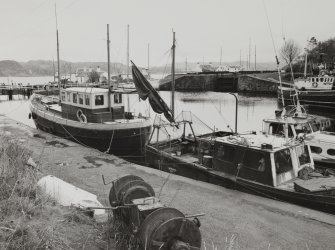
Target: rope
110	143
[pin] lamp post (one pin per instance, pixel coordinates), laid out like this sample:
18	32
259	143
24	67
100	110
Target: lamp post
236	109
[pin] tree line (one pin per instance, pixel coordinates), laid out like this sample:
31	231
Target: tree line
320	56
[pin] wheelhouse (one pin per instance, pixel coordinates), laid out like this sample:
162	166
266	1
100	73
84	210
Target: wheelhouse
264	159
91	104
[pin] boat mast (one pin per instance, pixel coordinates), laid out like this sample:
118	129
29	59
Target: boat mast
128	102
109	73
148	60
173	75
58	67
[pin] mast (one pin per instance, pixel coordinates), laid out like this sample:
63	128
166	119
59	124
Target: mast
220	56
148	59
255	57
173	75
127	52
53	64
58	66
109	73
128	102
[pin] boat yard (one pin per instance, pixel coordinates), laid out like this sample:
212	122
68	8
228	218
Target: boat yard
234	218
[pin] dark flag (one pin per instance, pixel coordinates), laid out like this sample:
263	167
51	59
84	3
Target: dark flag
145	90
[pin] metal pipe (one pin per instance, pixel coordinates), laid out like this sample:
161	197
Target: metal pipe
236	110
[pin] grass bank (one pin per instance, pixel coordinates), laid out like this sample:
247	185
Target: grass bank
29	219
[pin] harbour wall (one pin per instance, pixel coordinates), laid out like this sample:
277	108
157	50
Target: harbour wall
258	83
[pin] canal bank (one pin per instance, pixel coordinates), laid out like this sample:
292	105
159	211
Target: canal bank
232	217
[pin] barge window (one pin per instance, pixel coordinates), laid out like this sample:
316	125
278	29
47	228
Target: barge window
74	96
81	98
321	79
254	160
117	98
316	150
87	100
99	100
331	151
225	153
68	95
303	155
283	161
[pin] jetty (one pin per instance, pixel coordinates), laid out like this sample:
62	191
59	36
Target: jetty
232	218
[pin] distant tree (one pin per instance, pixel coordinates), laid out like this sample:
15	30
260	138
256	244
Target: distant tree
289	52
93	76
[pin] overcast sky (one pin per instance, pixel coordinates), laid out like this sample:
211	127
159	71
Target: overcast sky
202	28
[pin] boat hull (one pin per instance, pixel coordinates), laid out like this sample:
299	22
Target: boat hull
158	159
323	101
126	140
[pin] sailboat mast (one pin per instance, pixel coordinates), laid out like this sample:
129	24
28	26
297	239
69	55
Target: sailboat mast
108	70
173	75
220	56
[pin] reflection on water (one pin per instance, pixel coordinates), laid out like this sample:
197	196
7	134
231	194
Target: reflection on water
217	110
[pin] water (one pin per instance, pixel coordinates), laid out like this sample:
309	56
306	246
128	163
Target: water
217	110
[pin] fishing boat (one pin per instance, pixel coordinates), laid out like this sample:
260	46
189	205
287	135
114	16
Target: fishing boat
93	117
264	164
318	92
305	126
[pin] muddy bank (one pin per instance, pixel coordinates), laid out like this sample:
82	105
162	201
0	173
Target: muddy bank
246	221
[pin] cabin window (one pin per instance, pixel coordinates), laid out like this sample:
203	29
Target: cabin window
303	128
63	96
117	98
316	150
68	97
225	153
87	100
321	79
331	151
283	161
312	79
278	129
254	160
81	98
314	127
317	79
303	155
74	97
99	100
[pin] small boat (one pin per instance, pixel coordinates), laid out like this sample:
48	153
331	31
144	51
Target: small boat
318	92
261	164
305	126
94	117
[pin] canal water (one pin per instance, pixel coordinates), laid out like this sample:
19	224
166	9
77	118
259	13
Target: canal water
217	110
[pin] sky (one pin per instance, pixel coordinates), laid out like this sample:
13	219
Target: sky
203	28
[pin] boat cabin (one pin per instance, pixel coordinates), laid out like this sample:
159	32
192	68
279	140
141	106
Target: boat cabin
322	82
264	159
91	105
322	143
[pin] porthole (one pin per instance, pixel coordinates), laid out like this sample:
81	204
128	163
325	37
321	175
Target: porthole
331	151
317	150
